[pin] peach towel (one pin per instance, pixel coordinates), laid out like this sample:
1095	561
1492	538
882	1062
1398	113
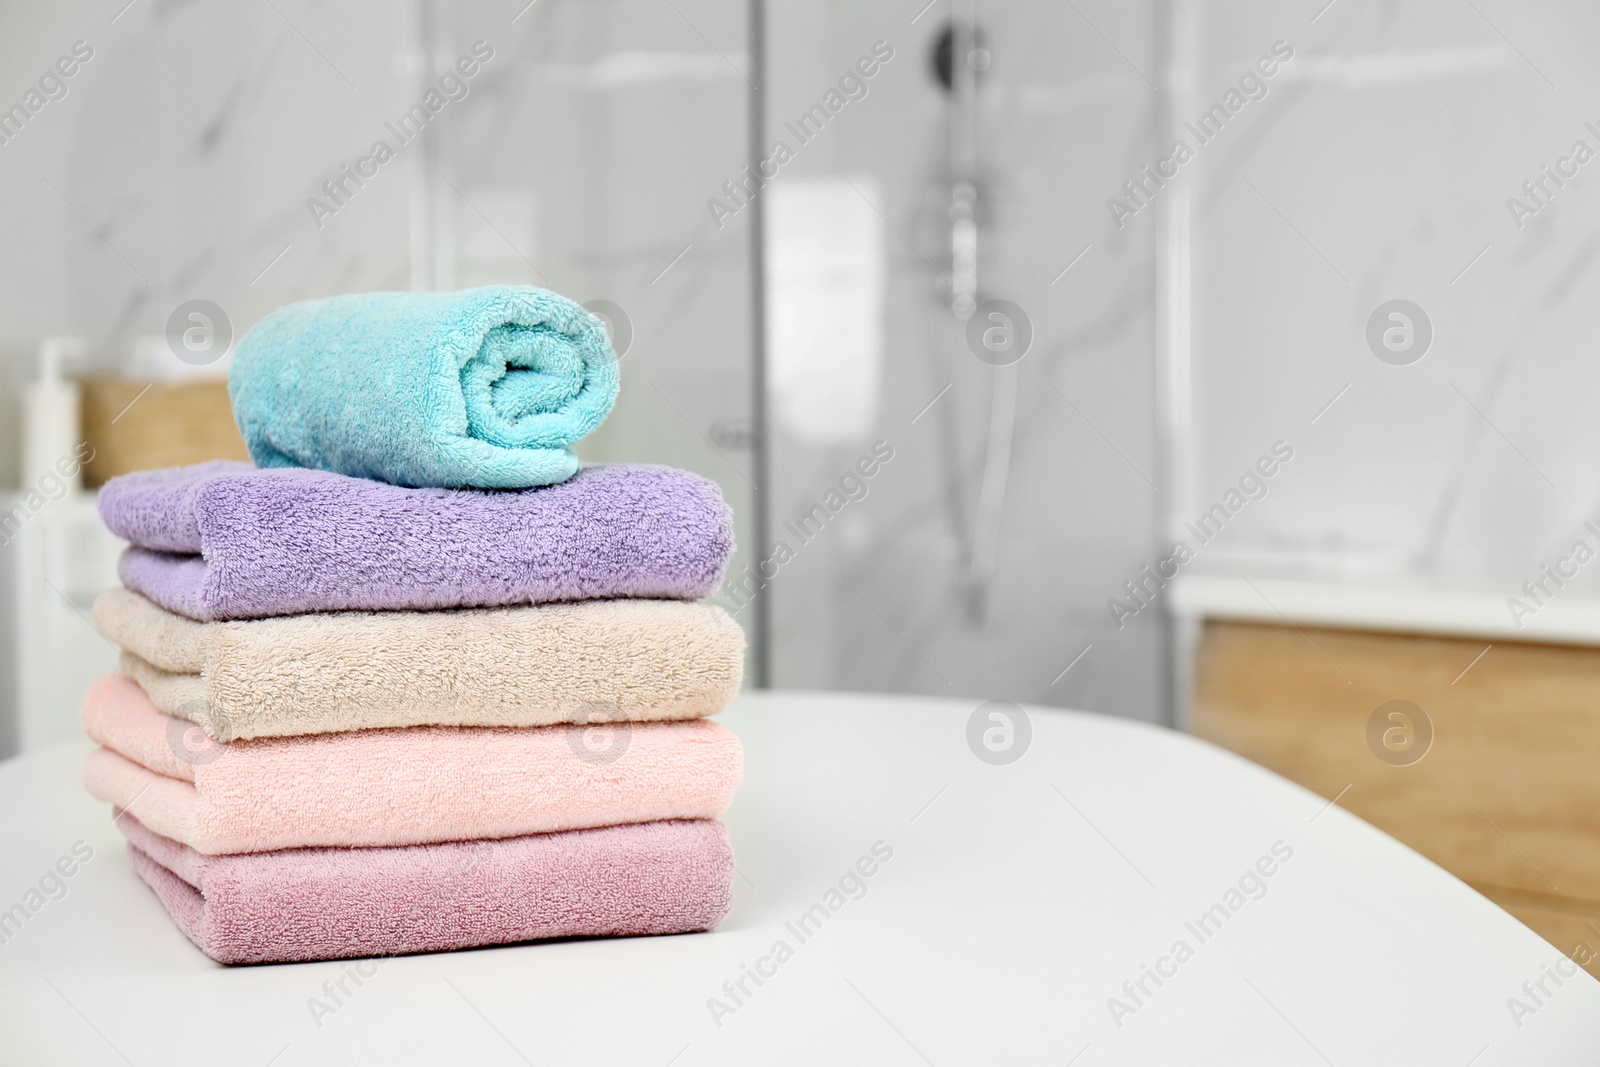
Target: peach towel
397	787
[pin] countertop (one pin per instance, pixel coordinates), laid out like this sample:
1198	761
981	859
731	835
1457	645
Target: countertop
1406	605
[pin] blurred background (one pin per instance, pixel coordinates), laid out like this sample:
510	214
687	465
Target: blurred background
1338	347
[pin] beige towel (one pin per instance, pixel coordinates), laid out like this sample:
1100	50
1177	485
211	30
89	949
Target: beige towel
591	661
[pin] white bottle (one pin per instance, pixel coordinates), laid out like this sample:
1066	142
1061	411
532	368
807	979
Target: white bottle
50	413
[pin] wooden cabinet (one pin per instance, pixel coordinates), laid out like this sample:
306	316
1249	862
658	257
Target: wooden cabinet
144	425
1506	796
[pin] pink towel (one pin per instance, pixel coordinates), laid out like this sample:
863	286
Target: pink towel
328	903
397	787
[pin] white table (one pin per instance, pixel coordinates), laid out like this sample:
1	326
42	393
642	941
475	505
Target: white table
1018	900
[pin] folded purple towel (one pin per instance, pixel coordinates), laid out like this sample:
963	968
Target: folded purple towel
333	903
225	540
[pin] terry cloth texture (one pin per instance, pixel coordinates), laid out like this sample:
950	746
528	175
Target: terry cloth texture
396	787
482	387
328	903
593	661
225	540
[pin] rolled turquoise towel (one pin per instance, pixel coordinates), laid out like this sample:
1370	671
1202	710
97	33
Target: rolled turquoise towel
485	388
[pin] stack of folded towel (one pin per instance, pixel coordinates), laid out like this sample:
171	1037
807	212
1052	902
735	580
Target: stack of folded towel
416	682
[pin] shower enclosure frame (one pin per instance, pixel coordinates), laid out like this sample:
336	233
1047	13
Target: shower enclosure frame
1177	36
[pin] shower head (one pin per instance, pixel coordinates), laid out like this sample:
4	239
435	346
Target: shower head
944	49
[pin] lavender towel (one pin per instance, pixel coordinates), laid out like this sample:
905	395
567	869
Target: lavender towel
225	540
333	903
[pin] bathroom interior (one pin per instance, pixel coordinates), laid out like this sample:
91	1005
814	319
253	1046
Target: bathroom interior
1286	442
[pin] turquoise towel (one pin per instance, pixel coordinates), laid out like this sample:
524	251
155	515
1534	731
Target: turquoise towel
483	388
